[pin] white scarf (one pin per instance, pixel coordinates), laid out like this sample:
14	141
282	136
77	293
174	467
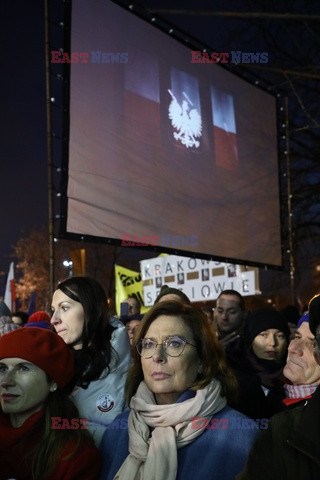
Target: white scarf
155	457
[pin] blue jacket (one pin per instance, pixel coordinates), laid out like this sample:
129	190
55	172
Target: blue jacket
218	453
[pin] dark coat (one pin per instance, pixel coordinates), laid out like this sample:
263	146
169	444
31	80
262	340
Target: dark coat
290	448
251	400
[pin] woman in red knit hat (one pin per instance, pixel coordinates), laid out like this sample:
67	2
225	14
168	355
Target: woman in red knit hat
42	437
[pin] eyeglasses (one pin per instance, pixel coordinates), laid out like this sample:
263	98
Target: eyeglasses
173	346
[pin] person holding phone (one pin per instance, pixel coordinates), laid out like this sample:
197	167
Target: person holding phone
130	306
131	323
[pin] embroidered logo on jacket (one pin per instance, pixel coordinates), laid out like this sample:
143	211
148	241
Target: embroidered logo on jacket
105	403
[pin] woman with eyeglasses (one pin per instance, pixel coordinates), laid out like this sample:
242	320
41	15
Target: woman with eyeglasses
179	425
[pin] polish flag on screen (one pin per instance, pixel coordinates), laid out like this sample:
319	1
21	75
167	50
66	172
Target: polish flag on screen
142	103
224	129
10	292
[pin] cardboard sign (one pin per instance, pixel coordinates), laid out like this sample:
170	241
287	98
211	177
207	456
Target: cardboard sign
200	280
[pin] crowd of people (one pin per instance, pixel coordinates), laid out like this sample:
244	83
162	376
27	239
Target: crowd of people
177	393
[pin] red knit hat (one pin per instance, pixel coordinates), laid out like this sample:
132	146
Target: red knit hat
39	319
41	347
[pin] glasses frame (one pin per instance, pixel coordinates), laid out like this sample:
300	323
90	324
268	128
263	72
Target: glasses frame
164	346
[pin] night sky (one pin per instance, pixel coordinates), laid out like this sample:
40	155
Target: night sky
23	168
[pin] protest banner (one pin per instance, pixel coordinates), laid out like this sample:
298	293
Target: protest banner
200	280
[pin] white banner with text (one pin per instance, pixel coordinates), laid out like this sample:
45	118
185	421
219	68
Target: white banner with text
200	280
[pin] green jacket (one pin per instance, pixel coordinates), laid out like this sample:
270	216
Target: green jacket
290	448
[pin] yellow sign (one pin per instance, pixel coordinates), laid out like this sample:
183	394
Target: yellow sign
128	283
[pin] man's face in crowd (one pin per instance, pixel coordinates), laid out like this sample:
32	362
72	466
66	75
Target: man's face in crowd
302	367
131	328
228	314
134	306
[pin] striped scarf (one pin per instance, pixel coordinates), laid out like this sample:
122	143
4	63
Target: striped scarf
299	391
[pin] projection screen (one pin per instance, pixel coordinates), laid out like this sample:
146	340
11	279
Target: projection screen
183	153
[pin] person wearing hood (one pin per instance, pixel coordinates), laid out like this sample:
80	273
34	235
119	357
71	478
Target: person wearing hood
259	363
267	336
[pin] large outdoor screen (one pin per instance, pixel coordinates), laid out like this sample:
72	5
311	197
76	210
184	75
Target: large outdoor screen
165	151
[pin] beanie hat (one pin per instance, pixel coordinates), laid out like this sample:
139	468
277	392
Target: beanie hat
4	310
7	325
263	319
291	314
314	314
304	318
43	348
39	319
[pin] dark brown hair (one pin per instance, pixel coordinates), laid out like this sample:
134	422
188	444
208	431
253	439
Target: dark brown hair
46	455
95	355
48	452
209	350
234	293
165	290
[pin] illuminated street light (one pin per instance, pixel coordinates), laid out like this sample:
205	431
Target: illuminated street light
68	264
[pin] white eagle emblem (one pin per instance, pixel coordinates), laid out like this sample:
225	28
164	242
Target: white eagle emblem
187	122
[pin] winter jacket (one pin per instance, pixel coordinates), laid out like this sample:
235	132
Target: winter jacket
104	399
290	448
217	454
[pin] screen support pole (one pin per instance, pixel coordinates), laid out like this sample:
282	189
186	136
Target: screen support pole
49	149
289	206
